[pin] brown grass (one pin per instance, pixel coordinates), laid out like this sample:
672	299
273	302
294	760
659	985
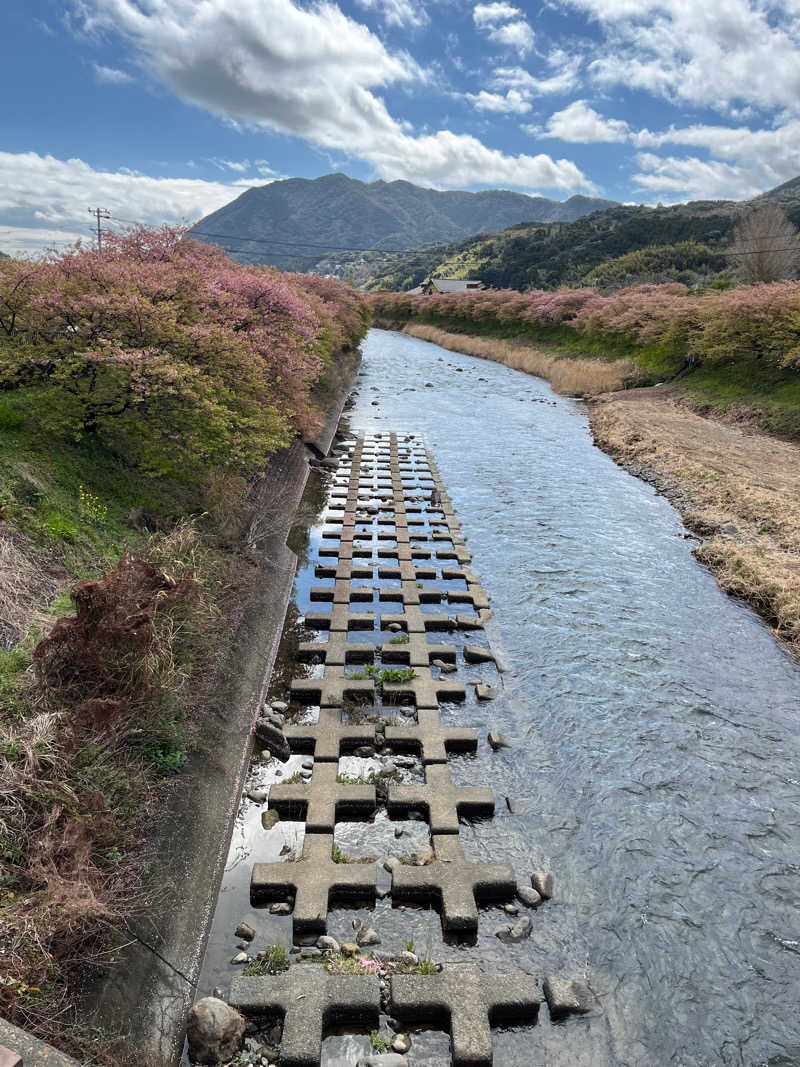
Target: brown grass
27	582
739	491
568	376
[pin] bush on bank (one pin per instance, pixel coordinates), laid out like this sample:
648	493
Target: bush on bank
758	321
140	389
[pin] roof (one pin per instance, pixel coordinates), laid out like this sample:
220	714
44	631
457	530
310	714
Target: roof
455	285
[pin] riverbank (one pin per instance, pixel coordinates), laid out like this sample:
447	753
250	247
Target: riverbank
736	487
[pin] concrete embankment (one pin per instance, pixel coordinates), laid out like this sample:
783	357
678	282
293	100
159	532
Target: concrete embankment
151	983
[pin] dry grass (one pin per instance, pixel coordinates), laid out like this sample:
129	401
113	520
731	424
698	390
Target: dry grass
739	491
570	377
27	583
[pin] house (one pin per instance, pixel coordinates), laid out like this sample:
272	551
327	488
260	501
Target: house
447	285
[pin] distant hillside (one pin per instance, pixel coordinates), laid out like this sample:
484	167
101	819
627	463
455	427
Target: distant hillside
295	223
684	241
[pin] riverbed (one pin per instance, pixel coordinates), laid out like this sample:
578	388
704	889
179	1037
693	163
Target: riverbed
656	735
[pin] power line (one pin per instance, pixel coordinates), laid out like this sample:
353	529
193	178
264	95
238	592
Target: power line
101	213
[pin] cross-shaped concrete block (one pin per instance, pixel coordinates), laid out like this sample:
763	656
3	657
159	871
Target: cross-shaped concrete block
342	592
471	1001
417	652
425	690
332	689
454	884
323	798
340	618
336	651
328	738
415	621
443	801
431	738
314	880
310	1001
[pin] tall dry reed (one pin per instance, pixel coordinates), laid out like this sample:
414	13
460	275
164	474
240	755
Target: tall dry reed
570	377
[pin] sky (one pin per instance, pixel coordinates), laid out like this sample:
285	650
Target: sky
165	110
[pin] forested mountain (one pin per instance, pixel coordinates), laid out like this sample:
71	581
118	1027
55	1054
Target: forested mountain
620	244
294	223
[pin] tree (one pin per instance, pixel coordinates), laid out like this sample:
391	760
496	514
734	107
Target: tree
766	246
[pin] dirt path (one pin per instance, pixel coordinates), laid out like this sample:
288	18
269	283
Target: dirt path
739	491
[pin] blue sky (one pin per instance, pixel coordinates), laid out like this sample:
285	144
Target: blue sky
163	110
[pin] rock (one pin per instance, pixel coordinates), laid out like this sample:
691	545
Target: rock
273	739
511	909
327	944
518	932
280	908
280	705
364	751
306	774
405	761
391	863
367	936
411	958
468	622
258	796
239	958
245	931
401	1043
512	805
268	819
218	993
423	856
383	1059
542	883
476	654
307	765
394	627
429	385
529	897
214	1030
398	831
497	740
565	997
485	692
347	948
446	668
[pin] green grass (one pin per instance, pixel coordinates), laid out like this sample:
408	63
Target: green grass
72	498
394	674
275	961
379	1044
771	392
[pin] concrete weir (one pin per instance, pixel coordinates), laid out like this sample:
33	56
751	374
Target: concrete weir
390	520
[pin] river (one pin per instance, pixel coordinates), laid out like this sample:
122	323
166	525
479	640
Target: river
655	767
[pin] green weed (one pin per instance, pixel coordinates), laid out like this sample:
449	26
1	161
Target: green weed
274	961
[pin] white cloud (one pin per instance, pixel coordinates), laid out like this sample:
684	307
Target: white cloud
312	73
674	179
718	55
398	12
485	15
512	102
504	25
44	200
111	75
26	241
566	77
581	124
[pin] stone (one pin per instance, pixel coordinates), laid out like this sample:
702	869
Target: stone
468	622
308	997
518	932
401	1043
280	908
511	909
394	627
565	997
349	948
529	897
327	944
245	931
391	864
239	958
307	765
367	936
485	692
314	879
411	958
258	796
272	739
497	740
383	1059
542	883
453	884
474	1001
423	855
476	654
214	1031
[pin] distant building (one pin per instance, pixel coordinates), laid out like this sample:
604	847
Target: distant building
446	285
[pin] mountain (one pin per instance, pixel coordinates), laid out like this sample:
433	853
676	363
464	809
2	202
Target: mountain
294	223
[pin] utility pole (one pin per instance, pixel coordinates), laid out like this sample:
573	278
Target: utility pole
101	213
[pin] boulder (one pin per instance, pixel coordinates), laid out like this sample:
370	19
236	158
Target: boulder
529	897
518	932
214	1031
245	931
542	883
268	819
476	654
565	997
497	740
367	936
273	739
327	944
401	1043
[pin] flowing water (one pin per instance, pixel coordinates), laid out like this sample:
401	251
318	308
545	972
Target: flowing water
656	732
